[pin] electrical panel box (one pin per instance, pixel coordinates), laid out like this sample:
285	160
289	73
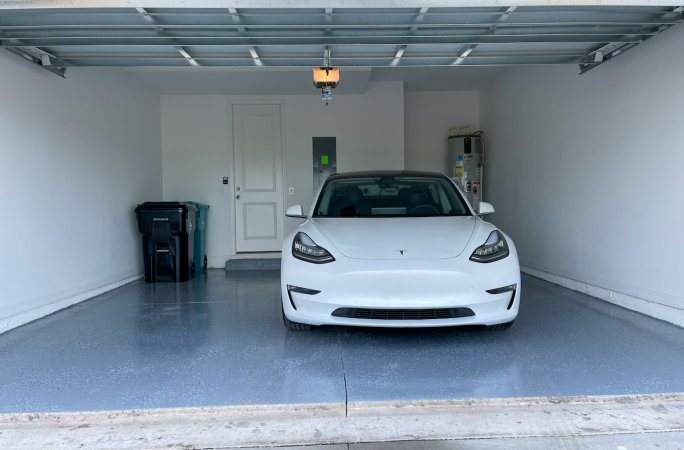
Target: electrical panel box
324	160
465	166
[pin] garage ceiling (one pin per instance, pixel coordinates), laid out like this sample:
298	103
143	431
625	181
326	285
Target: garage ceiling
356	37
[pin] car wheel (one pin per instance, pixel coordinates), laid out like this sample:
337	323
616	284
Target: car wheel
294	326
500	326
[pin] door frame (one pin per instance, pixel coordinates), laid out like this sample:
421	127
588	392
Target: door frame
283	153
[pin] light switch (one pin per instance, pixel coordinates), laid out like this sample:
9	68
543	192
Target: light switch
290	191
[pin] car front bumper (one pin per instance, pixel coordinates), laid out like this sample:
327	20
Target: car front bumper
394	285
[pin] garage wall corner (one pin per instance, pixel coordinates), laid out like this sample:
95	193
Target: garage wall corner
428	117
585	173
77	155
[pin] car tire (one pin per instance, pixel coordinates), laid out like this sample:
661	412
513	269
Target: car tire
500	326
294	326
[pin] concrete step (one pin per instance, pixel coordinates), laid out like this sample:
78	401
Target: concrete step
252	264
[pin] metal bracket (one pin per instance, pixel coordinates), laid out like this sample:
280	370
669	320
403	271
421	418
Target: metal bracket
613	49
42	59
326	57
603	54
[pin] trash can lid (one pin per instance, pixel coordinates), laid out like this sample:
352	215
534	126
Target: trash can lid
161	204
165	205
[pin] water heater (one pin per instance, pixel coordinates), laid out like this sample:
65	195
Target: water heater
465	165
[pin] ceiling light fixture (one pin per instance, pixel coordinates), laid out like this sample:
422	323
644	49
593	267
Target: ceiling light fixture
326	78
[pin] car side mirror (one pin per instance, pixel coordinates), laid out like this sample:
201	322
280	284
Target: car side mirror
295	211
485	208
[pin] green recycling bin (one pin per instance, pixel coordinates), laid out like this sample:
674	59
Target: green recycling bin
201	211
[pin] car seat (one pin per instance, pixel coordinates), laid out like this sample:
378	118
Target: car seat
352	203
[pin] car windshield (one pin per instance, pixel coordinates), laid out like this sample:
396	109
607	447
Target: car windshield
390	196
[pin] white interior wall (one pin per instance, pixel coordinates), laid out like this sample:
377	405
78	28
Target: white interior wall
76	155
585	173
428	117
197	147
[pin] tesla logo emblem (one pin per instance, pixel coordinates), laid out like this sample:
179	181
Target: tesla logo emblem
401	251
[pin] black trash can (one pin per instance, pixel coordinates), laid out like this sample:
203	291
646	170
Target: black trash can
168	230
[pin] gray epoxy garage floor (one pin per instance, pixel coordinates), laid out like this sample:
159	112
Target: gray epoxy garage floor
220	341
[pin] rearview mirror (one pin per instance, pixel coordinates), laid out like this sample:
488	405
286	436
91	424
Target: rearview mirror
295	211
485	208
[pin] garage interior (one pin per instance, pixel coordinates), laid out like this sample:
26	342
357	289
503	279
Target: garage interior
112	104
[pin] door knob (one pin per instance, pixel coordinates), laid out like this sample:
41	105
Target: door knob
237	196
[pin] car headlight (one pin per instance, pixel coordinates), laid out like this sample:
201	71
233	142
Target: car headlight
494	249
304	248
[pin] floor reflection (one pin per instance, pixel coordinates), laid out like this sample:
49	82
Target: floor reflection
219	340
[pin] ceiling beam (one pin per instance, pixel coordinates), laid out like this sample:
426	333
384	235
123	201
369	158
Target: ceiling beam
464	54
328	20
504	17
402	48
187	56
419	19
309	56
469	49
41	4
237	19
398	55
183	52
308	26
275	62
143	12
355	40
243	31
202	34
255	56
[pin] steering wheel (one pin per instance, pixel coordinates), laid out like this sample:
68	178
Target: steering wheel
424	209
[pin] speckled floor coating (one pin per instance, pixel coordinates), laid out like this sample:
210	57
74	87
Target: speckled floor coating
219	340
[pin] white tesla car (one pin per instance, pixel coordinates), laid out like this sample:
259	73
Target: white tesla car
397	249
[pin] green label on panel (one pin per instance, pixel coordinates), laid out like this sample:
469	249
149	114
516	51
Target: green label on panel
324	160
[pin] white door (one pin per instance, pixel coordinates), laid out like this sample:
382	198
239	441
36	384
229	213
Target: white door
258	176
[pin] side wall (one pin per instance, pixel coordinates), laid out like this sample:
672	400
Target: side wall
429	115
197	147
585	173
76	155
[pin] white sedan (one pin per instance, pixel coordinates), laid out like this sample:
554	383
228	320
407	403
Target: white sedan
397	249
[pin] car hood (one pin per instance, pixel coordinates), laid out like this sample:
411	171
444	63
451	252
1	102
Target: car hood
398	238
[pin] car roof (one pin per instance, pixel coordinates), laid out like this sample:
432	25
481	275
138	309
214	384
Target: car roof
385	173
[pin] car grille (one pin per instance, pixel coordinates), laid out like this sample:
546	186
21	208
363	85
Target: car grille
403	314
